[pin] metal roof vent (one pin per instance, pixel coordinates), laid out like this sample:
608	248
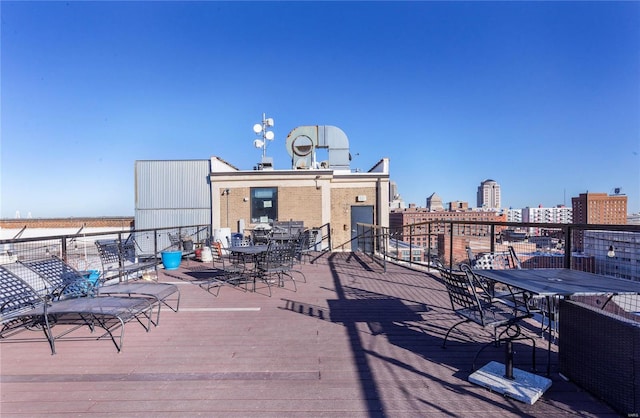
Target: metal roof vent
303	141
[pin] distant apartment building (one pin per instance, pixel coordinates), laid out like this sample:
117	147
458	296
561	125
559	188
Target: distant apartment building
411	226
514	215
556	215
489	195
597	208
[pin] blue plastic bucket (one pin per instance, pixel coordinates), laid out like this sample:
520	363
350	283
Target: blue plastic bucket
171	259
93	277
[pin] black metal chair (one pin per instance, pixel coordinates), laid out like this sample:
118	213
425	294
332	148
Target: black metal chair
303	246
497	260
474	302
229	269
275	266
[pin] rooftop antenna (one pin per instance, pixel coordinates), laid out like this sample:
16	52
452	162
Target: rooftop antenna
261	129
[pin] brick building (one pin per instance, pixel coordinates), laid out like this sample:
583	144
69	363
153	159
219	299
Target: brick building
409	225
597	208
318	193
245	199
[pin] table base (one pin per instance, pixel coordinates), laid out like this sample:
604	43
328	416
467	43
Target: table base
525	387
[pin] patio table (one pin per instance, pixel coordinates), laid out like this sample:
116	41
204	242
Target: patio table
250	251
565	283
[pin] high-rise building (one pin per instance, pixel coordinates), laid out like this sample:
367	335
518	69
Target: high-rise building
489	195
434	203
395	200
599	208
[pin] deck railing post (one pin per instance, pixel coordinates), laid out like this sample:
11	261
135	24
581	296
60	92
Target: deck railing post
568	243
492	243
63	248
451	245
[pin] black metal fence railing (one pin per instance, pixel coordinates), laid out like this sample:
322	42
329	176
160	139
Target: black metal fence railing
80	251
611	250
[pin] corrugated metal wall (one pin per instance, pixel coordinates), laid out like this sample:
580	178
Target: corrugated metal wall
172	193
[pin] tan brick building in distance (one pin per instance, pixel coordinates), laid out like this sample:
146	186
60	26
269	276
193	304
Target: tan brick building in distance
401	220
597	208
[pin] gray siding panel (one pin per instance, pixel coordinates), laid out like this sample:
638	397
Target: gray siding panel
161	218
172	193
172	184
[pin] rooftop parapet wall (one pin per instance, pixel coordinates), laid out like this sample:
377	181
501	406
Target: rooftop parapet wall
106	222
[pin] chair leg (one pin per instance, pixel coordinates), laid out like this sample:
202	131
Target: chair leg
444	343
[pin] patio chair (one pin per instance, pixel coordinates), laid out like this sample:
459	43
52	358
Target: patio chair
546	308
59	275
175	241
297	249
275	266
495	260
303	248
23	309
119	260
471	300
229	269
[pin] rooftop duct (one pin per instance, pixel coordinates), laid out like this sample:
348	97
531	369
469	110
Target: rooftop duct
303	141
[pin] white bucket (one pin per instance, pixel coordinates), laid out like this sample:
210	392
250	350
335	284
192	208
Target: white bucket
206	255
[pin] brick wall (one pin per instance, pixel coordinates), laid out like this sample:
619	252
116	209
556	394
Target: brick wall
341	202
293	204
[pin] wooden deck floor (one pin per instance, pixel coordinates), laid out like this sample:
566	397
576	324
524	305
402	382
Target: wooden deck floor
353	341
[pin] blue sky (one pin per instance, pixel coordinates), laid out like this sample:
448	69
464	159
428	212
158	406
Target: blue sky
542	97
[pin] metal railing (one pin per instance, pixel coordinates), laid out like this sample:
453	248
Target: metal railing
611	250
80	251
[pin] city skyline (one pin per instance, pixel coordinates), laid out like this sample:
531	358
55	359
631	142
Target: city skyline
542	97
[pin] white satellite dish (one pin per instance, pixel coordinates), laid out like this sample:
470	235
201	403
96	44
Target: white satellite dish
257	128
269	135
258	143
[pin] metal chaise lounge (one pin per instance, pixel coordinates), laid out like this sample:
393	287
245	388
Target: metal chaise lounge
119	260
23	309
58	274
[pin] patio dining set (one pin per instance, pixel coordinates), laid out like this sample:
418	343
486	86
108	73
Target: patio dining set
496	293
255	266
